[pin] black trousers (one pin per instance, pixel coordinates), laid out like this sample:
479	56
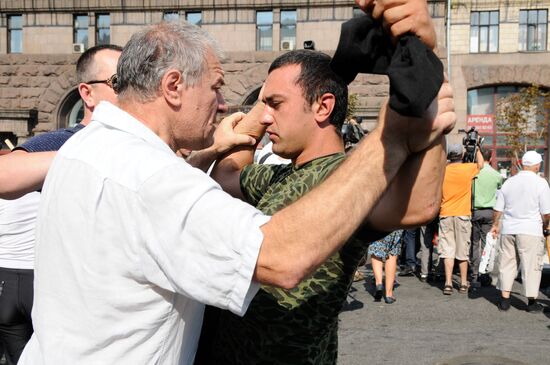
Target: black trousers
16	296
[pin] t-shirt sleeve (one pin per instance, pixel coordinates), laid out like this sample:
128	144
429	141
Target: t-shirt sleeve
203	243
255	179
51	141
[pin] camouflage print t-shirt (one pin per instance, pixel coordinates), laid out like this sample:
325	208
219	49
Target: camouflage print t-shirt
297	326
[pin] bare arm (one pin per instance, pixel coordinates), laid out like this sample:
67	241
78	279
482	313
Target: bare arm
403	16
228	168
23	172
414	196
226	138
495	229
479	158
326	217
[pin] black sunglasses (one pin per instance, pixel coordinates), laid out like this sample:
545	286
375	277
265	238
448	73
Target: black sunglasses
110	81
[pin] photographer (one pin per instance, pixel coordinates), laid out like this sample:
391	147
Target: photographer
456	209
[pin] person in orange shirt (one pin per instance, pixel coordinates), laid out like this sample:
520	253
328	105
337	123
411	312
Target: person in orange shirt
454	217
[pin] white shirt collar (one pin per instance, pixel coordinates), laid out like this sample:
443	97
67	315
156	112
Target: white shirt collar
114	117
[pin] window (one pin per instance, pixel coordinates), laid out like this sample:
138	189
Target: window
194	17
288	29
103	29
532	30
80	29
15	33
482	105
171	16
484	31
264	31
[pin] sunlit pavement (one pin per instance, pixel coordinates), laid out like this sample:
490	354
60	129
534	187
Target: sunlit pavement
425	327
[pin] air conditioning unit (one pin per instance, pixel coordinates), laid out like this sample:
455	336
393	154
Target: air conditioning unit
78	48
287	45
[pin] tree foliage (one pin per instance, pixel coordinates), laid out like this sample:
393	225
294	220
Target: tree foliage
352	106
523	117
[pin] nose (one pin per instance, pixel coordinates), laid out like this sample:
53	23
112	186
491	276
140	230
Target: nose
267	118
222	106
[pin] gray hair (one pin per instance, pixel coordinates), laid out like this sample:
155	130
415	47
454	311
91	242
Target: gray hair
158	48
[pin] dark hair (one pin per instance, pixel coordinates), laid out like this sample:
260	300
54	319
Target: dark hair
317	78
486	153
86	59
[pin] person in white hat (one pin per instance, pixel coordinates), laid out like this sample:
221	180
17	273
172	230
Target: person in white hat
523	203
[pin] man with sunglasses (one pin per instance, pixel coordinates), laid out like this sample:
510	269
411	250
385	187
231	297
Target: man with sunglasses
24	172
95	71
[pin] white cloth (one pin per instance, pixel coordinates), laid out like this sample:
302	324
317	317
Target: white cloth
272	158
17	226
130	239
522	199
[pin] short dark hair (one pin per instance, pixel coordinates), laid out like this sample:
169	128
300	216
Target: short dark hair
317	78
86	59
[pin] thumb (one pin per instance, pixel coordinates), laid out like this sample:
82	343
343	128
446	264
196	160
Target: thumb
244	139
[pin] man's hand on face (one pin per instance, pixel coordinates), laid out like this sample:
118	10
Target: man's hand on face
225	137
402	17
417	134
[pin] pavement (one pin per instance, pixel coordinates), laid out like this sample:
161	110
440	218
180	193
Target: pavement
424	327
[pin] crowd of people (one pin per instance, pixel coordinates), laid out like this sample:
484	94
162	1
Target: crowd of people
476	202
130	237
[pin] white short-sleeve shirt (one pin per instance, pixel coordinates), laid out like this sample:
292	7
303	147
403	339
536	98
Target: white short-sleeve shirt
522	199
130	241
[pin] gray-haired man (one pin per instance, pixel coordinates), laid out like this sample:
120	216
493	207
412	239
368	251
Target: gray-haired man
133	239
524	204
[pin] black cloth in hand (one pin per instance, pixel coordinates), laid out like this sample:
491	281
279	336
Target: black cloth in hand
415	72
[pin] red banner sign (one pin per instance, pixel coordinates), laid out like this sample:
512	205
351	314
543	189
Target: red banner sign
483	122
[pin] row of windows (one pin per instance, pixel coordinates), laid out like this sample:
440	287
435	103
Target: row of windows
484	29
264	29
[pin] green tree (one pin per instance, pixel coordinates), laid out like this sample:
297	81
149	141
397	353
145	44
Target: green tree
352	106
523	117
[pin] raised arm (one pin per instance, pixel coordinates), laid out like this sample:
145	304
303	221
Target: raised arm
414	196
303	235
228	168
22	172
403	16
226	138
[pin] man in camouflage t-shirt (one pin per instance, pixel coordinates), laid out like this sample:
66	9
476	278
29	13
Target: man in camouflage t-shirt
299	325
306	105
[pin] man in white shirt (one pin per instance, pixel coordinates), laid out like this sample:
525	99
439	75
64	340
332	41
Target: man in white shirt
524	205
132	239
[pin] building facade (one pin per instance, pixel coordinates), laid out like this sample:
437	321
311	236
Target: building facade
495	47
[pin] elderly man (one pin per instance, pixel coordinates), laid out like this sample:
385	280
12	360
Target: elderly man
523	203
94	69
133	239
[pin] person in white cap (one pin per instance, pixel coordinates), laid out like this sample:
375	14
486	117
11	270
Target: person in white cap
523	203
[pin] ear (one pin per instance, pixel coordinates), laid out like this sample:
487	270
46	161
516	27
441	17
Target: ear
171	87
323	107
85	92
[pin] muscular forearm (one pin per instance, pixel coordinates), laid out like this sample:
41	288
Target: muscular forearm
414	196
303	235
22	172
228	167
